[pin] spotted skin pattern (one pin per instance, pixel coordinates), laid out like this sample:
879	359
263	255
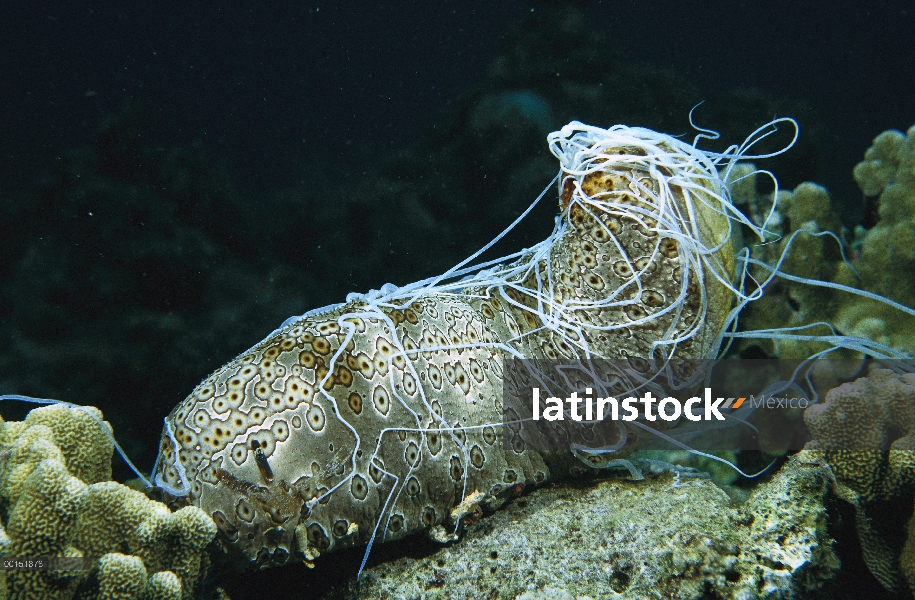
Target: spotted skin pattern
380	420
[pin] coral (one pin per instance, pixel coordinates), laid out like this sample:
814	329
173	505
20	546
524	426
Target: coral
121	576
623	539
41	521
786	303
51	512
880	164
886	252
864	429
879	260
88	461
888	249
866	432
164	585
163	540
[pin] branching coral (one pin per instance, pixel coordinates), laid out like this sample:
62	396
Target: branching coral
888	162
136	546
793	304
888	249
810	243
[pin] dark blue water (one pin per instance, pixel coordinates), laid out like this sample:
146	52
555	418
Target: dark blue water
176	179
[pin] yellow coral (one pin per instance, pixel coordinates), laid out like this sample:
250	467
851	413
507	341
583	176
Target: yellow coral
113	512
163	585
881	258
880	163
82	436
888	249
120	577
789	304
809	207
40	524
23	455
52	513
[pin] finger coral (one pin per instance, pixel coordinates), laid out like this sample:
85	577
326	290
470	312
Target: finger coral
881	162
810	239
888	249
810	256
58	502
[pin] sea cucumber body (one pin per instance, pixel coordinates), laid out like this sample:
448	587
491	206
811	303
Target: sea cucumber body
379	419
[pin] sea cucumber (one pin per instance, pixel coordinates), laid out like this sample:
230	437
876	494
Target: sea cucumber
374	419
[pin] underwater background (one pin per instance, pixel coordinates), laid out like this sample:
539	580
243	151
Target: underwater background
177	180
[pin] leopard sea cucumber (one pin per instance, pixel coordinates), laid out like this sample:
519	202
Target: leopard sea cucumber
377	418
